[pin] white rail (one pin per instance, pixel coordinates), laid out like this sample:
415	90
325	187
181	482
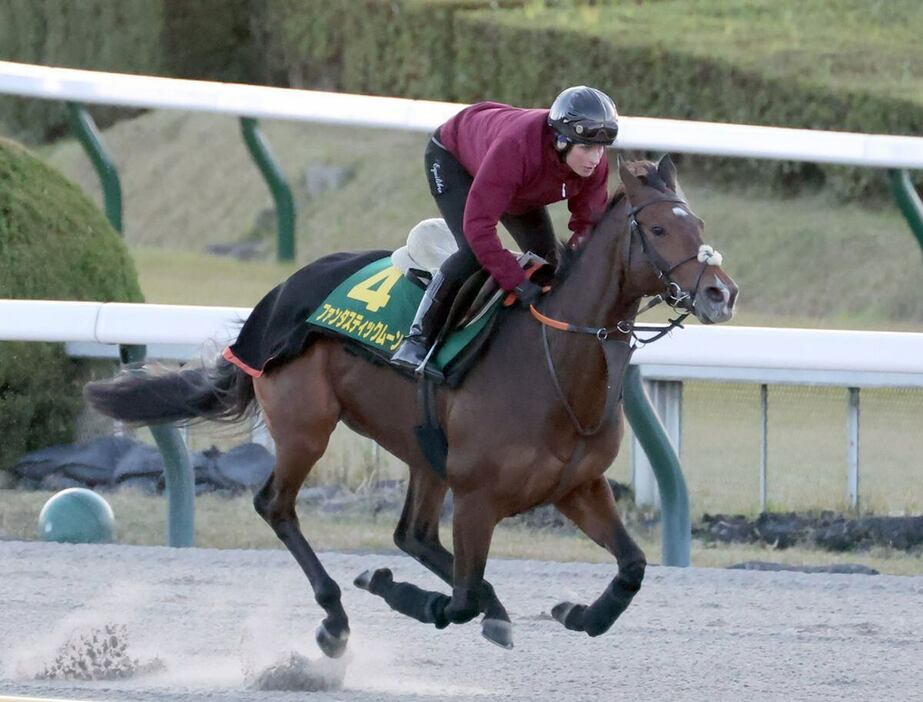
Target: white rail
745	354
848	148
729	348
118	322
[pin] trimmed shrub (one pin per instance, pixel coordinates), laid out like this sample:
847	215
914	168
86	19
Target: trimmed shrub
524	53
54	244
213	40
121	36
401	47
647	77
206	39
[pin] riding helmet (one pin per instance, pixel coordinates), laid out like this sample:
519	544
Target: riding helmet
582	115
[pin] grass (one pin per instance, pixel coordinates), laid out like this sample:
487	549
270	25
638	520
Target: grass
806	466
867	45
231	523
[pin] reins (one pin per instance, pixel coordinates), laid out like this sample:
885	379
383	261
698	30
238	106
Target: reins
675	295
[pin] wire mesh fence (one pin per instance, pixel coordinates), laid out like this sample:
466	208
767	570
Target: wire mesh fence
806	461
720	452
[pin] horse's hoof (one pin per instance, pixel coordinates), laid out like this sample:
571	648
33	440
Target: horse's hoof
499	632
331	645
374	581
363	580
568	614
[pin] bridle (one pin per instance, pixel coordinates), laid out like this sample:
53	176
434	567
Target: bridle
673	295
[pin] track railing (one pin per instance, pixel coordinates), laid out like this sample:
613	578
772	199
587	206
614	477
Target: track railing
730	353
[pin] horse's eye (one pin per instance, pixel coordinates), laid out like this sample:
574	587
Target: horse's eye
657	230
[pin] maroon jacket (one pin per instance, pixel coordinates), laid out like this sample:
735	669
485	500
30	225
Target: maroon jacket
510	153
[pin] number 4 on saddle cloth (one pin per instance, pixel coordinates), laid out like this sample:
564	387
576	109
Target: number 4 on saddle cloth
370	299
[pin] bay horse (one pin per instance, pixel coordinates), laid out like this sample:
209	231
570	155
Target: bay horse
537	421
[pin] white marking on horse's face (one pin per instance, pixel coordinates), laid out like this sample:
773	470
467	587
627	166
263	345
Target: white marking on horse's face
680	212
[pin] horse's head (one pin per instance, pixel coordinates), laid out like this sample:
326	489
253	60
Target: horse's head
666	252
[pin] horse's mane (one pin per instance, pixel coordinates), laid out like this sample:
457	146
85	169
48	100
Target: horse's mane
568	256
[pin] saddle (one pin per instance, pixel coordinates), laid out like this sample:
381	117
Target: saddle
429	244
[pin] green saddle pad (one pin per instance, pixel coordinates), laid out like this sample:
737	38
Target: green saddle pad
376	305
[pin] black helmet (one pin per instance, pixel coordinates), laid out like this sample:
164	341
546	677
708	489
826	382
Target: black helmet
584	115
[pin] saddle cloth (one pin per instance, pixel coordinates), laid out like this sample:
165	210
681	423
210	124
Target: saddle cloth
375	307
368	298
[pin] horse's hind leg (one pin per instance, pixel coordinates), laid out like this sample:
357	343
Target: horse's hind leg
472	530
301	413
417	534
592	508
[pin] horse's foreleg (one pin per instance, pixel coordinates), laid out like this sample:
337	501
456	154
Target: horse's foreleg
592	508
417	534
472	530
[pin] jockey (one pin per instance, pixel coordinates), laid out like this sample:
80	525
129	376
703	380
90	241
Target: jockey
495	163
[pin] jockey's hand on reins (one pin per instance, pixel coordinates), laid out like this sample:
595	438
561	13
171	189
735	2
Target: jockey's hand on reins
527	293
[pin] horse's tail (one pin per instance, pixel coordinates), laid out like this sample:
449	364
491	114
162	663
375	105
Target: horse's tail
152	394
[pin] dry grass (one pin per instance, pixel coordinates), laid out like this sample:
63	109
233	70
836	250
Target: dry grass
231	523
720	451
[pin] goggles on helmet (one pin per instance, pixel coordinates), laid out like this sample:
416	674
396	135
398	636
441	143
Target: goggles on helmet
599	133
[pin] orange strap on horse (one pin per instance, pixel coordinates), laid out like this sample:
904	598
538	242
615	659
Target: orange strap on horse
548	321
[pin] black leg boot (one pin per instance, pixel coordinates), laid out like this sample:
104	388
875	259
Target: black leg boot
427	322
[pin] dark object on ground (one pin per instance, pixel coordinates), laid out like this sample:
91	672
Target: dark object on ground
88	464
827	530
841	568
247	465
241	250
122	462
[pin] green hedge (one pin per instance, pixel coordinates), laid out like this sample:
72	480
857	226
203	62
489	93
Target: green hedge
664	59
649	79
213	39
402	47
103	35
524	53
54	244
203	39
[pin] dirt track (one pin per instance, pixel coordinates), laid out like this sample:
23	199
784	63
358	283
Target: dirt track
692	634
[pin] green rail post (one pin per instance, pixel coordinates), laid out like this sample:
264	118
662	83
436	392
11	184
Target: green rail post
85	129
178	476
179	479
278	186
908	201
676	533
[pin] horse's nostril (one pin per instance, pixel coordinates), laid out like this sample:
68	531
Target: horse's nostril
714	294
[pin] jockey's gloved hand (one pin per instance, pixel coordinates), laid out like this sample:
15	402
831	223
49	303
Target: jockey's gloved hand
527	293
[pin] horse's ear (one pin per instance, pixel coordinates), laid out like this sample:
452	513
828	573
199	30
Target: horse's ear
667	170
629	179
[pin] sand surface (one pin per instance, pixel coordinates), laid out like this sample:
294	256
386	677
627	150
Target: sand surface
214	618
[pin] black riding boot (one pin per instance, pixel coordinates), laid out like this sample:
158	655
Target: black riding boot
430	316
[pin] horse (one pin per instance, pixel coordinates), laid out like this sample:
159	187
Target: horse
537	420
